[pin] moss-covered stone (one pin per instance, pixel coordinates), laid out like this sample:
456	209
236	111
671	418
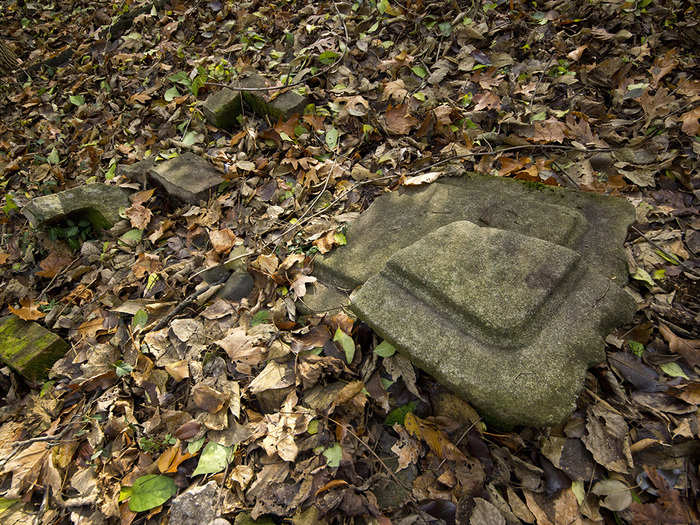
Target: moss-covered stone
100	203
29	348
223	107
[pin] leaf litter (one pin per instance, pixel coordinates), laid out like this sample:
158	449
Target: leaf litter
314	418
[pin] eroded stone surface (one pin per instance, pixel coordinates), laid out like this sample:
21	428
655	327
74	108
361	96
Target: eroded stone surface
223	107
502	291
197	506
29	348
593	225
187	177
508	321
99	202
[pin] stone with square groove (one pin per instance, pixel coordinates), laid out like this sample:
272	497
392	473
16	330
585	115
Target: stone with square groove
502	291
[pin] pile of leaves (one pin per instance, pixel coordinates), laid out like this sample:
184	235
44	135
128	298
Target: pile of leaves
311	417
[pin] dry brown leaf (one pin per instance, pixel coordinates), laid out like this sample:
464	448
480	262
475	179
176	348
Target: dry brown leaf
399	121
4	257
53	264
208	399
435	438
691	122
171	458
395	90
139	216
689	349
29	310
222	240
141	196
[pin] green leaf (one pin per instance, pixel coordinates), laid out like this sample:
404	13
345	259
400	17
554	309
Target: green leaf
6	503
385	349
140	319
382	6
112	170
637	348
132	237
333	455
194	446
261	317
642	275
149	492
346	343
192	137
673	370
340	239
538	116
420	71
171	93
181	78
332	138
53	157
399	414
313	427
419	96
328	57
213	459
579	491
123	369
10	204
77	100
445	28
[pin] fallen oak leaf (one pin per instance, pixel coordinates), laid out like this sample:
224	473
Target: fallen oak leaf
29	311
435	438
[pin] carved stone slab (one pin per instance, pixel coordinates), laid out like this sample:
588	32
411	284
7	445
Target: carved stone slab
503	291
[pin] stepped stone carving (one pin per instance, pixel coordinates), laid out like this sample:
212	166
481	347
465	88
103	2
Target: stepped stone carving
502	291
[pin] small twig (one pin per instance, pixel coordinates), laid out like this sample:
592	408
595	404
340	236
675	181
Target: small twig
669	255
184	304
63	270
464	434
391	473
539	80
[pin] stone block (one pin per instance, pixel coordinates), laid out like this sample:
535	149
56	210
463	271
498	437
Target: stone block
502	291
223	107
100	203
29	348
510	322
187	177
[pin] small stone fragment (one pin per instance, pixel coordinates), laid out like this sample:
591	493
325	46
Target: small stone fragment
29	348
187	177
196	506
100	203
238	286
223	107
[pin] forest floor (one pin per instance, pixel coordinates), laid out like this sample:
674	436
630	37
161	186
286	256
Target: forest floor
602	96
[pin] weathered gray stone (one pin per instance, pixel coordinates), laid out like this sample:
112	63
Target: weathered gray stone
196	506
100	203
593	225
223	107
510	322
29	348
187	177
236	287
502	291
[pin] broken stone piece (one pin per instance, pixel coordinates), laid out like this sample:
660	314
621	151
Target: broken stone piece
508	321
237	286
223	107
29	348
100	203
187	177
197	506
